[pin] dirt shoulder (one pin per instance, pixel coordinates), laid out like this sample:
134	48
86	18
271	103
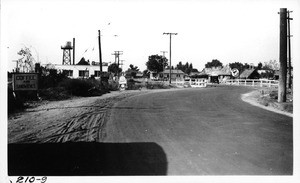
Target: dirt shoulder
78	119
261	98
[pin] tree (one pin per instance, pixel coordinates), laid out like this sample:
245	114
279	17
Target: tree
213	63
114	68
271	65
146	73
237	65
26	62
180	66
156	63
132	70
187	68
259	65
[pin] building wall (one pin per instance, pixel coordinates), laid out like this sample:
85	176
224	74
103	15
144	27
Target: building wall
83	68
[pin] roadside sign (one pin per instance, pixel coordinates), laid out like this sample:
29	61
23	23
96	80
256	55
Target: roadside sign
122	80
235	72
25	81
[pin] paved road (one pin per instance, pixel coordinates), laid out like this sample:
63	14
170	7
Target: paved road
207	131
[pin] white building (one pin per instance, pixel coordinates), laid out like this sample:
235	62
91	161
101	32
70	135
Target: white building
82	71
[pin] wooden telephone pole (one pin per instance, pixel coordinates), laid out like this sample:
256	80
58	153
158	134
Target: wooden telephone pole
282	55
100	52
169	33
289	48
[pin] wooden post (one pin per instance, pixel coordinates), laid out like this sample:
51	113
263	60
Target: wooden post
289	46
100	52
261	83
73	51
282	56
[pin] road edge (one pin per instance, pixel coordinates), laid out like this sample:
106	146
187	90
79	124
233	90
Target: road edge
251	99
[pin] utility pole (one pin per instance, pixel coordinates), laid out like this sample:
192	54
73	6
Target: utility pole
117	57
164	58
289	48
282	55
73	51
17	65
100	53
169	33
122	63
164	53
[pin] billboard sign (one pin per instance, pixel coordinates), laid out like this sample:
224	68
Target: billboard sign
25	81
122	80
235	72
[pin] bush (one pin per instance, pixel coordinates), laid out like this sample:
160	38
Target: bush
57	93
51	78
112	85
81	87
157	85
133	85
14	104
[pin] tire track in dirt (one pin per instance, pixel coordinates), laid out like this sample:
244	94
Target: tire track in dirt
82	119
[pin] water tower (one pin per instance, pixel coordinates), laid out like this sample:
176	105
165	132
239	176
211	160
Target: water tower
67	53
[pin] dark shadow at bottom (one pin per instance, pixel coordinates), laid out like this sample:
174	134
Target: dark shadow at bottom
86	158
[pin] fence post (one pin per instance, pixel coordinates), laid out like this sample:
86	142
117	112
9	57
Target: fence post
245	82
252	82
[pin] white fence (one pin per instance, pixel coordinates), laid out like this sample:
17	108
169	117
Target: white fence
252	82
194	83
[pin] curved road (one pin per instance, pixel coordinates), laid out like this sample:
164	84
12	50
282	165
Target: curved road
206	131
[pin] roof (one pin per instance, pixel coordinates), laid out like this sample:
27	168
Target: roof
194	73
139	74
83	62
173	71
216	71
246	73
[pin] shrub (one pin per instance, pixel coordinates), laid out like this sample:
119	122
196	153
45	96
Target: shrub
14	104
51	78
157	85
56	93
133	85
79	87
112	85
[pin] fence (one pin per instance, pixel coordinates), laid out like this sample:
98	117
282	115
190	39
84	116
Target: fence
194	83
252	82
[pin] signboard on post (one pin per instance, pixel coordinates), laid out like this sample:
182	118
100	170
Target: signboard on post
235	72
122	80
25	81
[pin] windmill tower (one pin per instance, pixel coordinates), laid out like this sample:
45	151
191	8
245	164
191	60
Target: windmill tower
66	60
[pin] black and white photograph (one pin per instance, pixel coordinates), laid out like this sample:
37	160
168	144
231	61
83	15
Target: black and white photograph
149	91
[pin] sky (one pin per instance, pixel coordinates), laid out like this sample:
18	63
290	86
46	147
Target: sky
245	31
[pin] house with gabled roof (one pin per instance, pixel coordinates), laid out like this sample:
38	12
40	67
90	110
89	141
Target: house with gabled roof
217	74
249	74
176	74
